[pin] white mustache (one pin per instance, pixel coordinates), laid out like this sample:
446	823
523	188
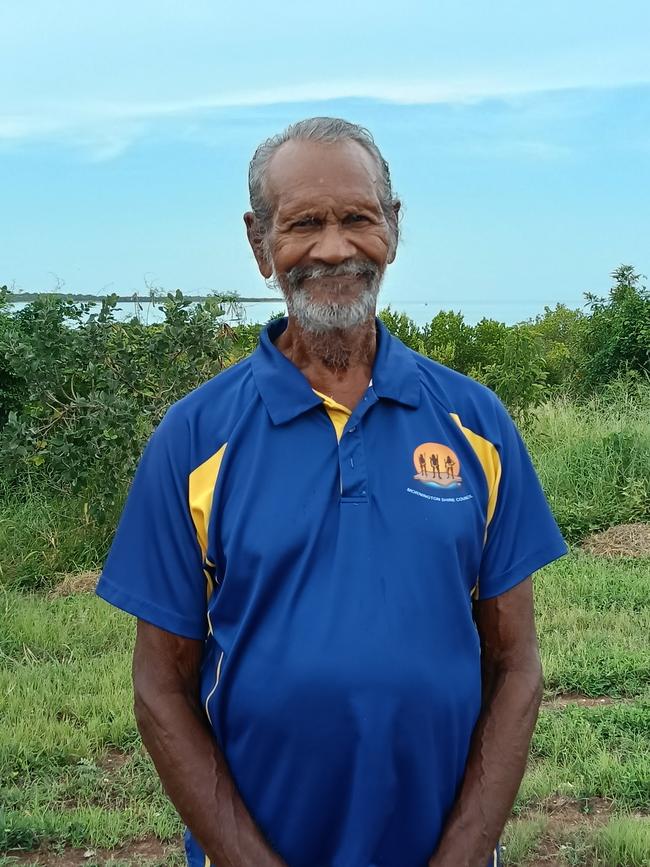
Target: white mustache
296	276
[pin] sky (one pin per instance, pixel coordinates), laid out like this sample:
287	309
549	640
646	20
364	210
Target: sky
518	137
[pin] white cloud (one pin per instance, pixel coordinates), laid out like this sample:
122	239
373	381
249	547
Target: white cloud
99	76
105	129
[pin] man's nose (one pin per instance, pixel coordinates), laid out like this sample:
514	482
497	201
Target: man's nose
332	245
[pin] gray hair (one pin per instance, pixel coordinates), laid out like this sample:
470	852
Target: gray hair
318	129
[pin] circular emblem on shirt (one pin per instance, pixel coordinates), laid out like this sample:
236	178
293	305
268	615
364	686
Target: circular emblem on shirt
437	466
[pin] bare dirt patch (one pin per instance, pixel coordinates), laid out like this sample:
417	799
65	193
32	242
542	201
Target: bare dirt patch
142	852
568	812
624	540
74	583
570	698
112	760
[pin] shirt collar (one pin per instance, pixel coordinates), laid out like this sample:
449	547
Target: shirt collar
287	393
395	373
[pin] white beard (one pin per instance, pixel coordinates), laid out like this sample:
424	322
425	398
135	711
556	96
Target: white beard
319	317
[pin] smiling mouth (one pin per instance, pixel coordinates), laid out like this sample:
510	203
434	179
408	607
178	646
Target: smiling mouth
340	285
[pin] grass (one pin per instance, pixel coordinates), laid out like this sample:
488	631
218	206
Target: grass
73	773
582	753
593	458
594	620
65	679
619	842
622	841
44	537
521	838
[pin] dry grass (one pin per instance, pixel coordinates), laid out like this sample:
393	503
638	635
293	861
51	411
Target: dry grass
625	540
74	583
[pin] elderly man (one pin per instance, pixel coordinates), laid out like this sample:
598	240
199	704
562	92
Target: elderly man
336	662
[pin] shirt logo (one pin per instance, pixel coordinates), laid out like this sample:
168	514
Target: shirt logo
437	466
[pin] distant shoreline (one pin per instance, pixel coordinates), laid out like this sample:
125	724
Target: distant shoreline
27	297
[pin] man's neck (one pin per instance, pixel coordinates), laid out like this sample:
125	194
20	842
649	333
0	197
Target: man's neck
337	363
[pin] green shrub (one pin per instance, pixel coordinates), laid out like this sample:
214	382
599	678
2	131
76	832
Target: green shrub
517	372
449	339
560	333
616	336
508	359
12	387
94	388
489	337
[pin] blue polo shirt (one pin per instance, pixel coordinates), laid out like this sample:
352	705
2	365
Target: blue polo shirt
329	560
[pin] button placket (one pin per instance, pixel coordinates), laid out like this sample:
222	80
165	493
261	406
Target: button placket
352	461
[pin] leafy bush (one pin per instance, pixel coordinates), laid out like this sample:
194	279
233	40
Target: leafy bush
517	372
489	337
92	393
508	359
12	390
449	339
560	333
616	335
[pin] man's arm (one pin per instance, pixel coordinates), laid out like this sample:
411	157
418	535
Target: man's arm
512	693
188	759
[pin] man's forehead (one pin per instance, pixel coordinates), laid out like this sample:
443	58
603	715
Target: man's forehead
300	170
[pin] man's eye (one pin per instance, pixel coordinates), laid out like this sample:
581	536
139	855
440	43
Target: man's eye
355	218
306	222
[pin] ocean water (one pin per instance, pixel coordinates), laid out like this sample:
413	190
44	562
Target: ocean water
420	312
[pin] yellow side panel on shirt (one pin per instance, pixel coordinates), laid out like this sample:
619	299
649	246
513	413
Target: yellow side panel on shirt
489	457
202	482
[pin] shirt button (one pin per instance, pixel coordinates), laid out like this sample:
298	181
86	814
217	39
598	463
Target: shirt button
352	430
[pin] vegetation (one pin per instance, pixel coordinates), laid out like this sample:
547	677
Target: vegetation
593	456
79	396
134	298
570	352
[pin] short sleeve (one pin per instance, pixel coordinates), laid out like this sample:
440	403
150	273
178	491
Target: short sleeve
522	535
154	568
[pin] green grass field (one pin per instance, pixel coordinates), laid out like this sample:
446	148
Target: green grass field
75	781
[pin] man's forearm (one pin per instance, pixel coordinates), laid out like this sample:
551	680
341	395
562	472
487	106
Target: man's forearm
495	767
196	777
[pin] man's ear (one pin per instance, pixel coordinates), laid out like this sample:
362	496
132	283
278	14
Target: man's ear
395	228
257	245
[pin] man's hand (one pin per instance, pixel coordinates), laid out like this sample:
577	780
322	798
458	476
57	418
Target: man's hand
512	693
189	762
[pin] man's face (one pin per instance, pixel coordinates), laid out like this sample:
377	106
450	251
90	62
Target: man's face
329	243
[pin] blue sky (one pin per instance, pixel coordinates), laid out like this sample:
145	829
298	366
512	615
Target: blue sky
518	138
